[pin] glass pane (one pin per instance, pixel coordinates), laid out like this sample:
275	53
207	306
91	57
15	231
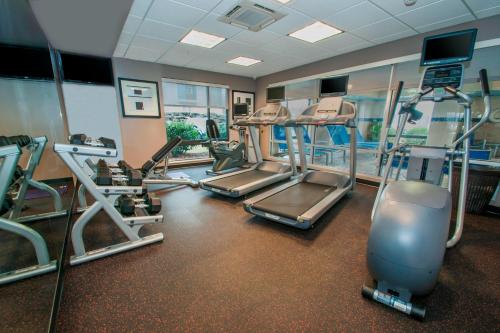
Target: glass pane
187	122
368	90
32	108
184	94
279	147
185	152
219	115
302	90
218	97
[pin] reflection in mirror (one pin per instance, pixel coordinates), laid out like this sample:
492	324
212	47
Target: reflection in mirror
35	186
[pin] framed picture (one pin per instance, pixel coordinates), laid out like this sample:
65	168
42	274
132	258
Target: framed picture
242	97
140	98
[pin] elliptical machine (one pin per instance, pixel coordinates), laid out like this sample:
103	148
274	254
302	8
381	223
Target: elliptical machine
228	156
411	219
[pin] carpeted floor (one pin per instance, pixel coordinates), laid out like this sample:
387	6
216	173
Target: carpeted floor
221	269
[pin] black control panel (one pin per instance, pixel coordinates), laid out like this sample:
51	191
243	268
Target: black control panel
443	76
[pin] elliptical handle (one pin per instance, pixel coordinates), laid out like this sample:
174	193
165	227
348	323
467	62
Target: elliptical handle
485	86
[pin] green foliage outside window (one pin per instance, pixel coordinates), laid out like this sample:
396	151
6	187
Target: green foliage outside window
186	131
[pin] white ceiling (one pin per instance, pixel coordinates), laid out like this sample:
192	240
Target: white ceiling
154	27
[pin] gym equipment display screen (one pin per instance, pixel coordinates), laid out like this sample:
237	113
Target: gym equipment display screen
275	94
240	110
25	63
448	48
335	86
86	69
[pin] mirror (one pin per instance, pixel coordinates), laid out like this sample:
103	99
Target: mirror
36	188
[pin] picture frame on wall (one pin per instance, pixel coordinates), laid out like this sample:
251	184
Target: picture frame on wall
140	99
243	97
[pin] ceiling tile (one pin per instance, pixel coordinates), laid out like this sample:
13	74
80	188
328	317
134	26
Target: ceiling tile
205	63
132	24
488	12
125	38
289	45
477	5
178	55
209	24
120	50
342	41
293	21
182	54
140	7
256	38
395	36
139	53
435	12
396	7
151	43
357	16
231	49
150	28
380	29
206	5
445	23
175	13
319	9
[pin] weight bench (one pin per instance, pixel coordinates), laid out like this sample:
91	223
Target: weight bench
154	174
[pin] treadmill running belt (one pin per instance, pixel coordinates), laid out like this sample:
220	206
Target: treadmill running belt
231	182
295	200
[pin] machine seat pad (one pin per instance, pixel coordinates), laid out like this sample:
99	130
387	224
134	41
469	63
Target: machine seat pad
418	193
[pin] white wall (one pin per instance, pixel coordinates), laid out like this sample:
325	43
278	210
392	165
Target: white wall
93	110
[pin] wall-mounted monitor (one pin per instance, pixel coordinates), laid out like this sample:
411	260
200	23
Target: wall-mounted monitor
275	94
240	110
86	69
25	62
448	48
333	86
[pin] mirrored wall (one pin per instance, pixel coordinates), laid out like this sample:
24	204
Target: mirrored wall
36	188
369	88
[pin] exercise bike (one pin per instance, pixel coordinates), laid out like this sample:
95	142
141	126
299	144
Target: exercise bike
228	156
411	219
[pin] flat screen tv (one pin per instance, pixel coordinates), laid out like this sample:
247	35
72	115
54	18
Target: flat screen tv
334	86
25	62
275	94
86	69
448	48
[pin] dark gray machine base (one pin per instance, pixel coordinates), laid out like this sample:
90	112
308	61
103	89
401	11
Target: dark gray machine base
394	302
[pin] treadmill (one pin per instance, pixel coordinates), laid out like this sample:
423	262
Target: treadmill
262	173
303	200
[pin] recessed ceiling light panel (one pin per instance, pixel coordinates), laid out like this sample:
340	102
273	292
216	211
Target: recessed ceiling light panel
315	32
244	61
202	39
283	1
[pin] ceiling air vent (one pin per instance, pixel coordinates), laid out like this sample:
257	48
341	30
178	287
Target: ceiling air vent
251	16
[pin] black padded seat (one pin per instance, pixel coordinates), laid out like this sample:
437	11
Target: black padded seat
160	154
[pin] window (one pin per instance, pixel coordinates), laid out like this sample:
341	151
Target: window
187	108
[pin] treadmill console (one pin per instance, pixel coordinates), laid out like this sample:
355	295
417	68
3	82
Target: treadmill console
273	113
329	111
443	76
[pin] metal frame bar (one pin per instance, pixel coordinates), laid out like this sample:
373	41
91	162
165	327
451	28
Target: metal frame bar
10	155
104	199
37	147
